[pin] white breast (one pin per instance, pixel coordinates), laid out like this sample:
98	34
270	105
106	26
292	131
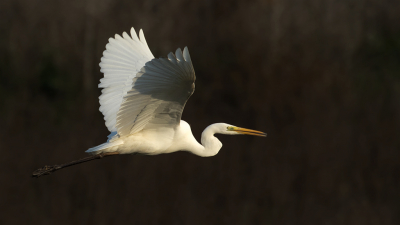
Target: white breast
184	139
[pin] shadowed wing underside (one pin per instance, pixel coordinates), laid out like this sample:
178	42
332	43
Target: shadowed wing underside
158	95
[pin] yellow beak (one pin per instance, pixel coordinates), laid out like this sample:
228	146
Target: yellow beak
249	132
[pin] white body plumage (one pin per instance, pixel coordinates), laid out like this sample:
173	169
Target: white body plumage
167	140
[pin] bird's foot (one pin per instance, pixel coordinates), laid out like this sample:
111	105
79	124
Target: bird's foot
46	170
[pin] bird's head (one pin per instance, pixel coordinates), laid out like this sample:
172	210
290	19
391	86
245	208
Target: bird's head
224	128
212	145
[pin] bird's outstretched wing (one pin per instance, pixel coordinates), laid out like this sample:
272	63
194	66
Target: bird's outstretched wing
122	60
150	98
158	95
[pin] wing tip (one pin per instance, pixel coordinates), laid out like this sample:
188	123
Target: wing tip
186	54
134	34
141	36
178	54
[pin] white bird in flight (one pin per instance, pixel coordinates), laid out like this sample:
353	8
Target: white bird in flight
142	102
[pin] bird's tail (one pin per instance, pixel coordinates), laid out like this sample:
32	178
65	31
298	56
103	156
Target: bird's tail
113	141
106	147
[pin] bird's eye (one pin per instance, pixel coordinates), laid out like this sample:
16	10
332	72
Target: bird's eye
230	128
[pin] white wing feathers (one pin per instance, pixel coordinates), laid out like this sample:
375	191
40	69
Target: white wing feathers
122	59
141	92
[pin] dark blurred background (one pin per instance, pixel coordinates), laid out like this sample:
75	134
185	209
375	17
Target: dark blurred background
322	78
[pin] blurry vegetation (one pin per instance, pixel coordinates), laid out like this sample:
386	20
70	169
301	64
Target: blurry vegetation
379	61
322	78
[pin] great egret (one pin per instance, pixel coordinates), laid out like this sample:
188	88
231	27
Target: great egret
142	102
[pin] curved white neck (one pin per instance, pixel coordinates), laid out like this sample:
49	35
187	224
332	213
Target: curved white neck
210	144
